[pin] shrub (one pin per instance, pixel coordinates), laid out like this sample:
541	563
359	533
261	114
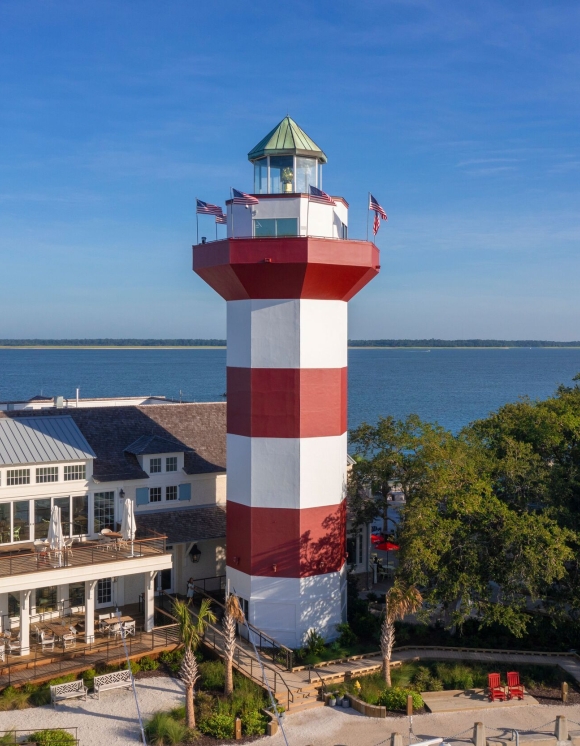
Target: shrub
166	728
218	726
148	664
89	677
13	699
212	675
172	659
346	636
203	706
52	738
8	739
395	698
253	724
314	643
422	679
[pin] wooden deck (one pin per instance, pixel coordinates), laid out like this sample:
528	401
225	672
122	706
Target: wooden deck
457	700
41	666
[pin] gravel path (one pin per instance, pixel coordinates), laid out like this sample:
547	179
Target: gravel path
108	721
329	726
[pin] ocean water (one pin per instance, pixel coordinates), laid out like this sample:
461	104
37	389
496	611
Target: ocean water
450	386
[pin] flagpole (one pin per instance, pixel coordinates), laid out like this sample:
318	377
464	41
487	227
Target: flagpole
196	222
232	198
308	215
368	210
216	230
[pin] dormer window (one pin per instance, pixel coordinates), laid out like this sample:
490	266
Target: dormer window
155	466
171	463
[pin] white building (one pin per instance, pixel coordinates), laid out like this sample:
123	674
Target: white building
168	458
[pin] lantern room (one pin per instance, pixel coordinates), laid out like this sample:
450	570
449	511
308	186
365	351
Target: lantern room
286	161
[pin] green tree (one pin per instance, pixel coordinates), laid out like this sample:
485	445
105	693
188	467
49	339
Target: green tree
191	630
232	616
399	601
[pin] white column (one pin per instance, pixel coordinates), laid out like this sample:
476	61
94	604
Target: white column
90	590
149	600
25	622
4	620
62	597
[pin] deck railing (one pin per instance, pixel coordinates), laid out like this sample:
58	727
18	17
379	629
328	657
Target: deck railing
56	663
81	554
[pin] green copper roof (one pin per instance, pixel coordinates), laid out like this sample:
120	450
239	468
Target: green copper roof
287	138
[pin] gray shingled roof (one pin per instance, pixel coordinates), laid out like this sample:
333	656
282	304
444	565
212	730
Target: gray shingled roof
186	524
153	444
199	428
37	440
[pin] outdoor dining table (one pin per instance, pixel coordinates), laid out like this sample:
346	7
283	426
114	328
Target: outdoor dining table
58	630
116	620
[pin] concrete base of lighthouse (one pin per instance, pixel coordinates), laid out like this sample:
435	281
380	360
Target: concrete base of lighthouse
288	608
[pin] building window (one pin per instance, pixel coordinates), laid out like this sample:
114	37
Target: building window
76	594
45	599
17	476
104	592
21	530
171	492
281	174
171	463
80	515
306	172
155	494
46	474
154	466
41	518
78	471
5	524
104	511
276	227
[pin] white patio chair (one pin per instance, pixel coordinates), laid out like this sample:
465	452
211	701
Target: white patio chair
2	652
13	646
114	629
129	628
47	640
69	641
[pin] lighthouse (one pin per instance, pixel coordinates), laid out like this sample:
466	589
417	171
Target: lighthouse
287	270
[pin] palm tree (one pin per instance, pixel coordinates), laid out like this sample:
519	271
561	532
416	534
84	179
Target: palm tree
191	631
233	614
399	602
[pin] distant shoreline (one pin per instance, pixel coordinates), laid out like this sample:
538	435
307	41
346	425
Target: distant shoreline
350	347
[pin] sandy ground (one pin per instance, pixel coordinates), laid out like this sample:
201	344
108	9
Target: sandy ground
108	721
329	726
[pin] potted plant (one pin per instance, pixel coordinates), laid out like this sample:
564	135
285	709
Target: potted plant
331	699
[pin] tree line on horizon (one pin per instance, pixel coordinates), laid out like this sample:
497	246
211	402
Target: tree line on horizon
429	343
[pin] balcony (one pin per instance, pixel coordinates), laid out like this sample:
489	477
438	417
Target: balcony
85	553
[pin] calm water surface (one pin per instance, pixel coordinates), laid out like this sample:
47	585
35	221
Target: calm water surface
453	386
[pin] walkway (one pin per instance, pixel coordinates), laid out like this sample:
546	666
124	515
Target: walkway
110	720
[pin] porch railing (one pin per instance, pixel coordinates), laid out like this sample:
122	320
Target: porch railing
86	655
85	553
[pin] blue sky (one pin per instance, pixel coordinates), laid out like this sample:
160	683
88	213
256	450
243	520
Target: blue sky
460	116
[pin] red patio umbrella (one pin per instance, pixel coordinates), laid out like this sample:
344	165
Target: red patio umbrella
387	546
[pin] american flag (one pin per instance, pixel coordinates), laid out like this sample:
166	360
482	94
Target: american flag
374	205
206	208
241	198
223	219
317	195
376	223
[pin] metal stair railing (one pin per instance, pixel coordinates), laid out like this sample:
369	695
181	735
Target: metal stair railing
267	645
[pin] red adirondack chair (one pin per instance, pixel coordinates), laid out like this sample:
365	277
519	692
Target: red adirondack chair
496	690
515	689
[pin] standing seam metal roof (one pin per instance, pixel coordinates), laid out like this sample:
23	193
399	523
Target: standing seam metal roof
36	440
287	138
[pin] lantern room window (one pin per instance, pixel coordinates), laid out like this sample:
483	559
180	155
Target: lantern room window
286	174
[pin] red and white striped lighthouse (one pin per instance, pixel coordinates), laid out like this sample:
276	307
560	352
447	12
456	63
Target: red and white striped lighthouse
287	271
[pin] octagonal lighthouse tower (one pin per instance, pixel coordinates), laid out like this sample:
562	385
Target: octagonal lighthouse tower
287	270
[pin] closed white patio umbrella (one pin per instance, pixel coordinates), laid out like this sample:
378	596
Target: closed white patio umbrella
55	534
128	524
